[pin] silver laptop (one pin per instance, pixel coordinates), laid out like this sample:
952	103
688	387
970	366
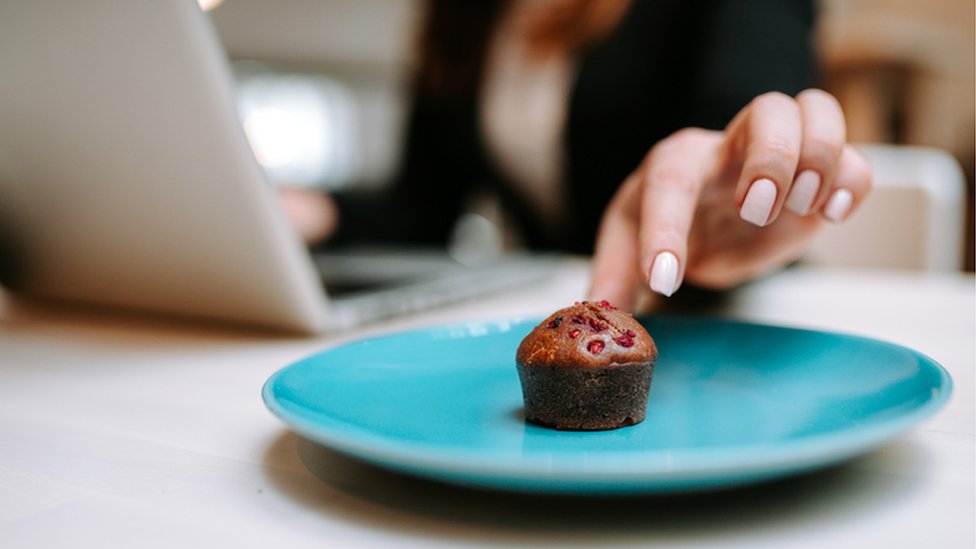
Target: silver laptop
126	180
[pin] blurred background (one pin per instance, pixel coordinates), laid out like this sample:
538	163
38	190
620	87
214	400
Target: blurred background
323	90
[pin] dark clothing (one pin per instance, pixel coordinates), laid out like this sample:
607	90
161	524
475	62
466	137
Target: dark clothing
668	65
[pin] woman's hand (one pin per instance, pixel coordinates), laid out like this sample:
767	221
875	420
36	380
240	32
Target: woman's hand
718	208
312	213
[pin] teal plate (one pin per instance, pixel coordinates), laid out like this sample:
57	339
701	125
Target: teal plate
731	403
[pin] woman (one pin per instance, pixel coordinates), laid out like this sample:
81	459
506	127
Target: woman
676	141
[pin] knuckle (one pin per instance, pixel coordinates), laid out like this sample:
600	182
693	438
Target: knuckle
683	139
773	98
688	136
818	95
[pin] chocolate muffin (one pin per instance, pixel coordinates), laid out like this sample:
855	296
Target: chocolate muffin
587	367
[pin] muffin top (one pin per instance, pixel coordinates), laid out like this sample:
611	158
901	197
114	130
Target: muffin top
589	335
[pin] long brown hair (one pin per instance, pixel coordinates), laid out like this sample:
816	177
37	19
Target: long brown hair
455	36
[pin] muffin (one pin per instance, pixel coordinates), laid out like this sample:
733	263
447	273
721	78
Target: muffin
587	367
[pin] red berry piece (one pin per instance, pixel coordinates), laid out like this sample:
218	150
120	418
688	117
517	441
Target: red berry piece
554	323
606	305
595	346
574	333
626	339
578	319
597	326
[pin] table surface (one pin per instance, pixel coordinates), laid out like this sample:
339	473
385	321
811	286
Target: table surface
118	430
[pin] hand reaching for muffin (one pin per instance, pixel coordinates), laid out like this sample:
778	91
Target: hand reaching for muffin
717	208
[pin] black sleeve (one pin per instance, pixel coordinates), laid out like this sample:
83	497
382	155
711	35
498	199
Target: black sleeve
749	47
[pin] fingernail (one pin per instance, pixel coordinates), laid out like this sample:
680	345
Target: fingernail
664	274
803	192
759	202
839	205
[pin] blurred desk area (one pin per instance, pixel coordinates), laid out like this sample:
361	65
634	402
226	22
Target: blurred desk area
121	431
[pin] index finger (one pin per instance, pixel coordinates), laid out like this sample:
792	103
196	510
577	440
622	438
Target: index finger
615	275
644	233
676	173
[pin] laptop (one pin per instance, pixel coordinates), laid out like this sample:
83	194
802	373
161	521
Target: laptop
126	180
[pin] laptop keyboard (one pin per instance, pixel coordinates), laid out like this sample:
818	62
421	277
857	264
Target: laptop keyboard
379	292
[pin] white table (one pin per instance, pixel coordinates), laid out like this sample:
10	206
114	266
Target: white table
123	431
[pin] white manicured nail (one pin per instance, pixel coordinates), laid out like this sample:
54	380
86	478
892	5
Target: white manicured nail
803	192
664	274
839	205
759	202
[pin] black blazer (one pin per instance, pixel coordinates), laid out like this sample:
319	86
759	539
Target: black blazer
668	65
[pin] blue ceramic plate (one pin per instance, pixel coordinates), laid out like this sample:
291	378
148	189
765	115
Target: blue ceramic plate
731	403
